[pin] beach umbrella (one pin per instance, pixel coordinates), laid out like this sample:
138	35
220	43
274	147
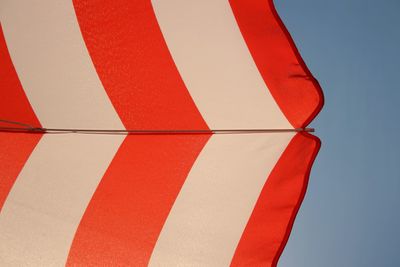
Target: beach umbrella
162	133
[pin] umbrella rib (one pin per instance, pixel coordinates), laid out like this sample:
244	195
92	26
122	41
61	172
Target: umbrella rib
26	128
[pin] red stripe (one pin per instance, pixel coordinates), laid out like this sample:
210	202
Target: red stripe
135	66
14	105
15	151
272	219
293	87
126	214
15	148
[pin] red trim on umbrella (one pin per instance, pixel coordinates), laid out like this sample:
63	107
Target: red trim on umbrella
292	85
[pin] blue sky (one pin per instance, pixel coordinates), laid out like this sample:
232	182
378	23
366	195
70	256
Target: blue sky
351	213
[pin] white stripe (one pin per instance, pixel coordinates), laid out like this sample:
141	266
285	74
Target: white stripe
215	64
216	200
53	65
43	210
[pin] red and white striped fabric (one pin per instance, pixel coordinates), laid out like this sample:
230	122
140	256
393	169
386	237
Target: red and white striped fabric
151	199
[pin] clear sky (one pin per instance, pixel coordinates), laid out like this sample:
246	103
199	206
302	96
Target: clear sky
351	213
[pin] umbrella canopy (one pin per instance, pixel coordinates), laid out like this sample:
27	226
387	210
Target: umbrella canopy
150	132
